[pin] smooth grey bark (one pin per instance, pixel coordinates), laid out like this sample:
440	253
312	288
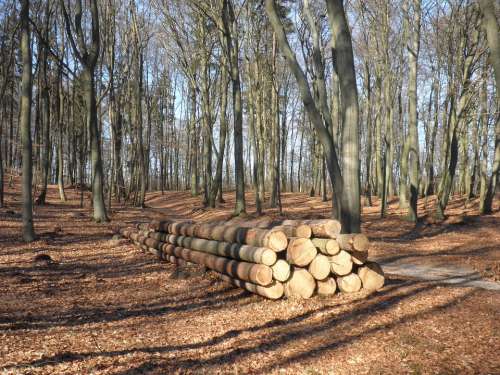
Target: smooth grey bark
88	55
230	28
429	188
490	26
25	124
217	186
414	153
483	181
346	203
309	105
351	205
59	107
368	159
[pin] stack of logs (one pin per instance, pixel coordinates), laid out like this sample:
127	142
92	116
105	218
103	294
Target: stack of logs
294	258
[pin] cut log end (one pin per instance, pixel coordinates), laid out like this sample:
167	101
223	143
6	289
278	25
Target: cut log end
300	284
349	284
277	241
326	287
281	270
319	267
300	252
341	264
372	276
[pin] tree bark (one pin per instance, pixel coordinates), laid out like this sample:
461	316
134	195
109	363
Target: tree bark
25	124
414	152
230	28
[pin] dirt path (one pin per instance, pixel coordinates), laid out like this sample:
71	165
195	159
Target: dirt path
458	276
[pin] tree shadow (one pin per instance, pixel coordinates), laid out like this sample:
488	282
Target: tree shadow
273	334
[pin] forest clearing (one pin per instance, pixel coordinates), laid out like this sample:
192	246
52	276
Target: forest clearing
249	187
106	307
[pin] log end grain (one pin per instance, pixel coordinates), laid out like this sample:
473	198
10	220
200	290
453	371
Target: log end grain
349	284
372	276
319	268
341	264
301	284
326	287
301	252
281	270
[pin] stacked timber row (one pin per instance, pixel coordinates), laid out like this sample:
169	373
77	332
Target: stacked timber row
292	258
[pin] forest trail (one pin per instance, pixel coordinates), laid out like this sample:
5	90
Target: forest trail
451	274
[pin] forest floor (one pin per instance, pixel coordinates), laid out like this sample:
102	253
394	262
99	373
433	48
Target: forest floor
104	307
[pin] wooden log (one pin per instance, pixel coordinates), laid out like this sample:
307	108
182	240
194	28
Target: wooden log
372	276
281	270
341	264
353	241
359	257
326	246
326	287
229	250
350	283
272	291
140	246
326	228
357	244
301	284
255	273
300	252
163	225
319	268
301	230
274	240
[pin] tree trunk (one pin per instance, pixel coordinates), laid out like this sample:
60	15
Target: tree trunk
414	152
232	46
490	25
25	124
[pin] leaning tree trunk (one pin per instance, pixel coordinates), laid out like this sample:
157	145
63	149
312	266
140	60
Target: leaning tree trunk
315	116
25	124
351	207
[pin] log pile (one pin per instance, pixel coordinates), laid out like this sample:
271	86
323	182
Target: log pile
293	258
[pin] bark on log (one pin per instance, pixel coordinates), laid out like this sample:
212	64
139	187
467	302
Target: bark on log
326	228
301	284
353	241
255	273
281	270
326	245
300	252
372	276
272	291
341	264
349	284
274	240
301	230
326	287
229	250
319	267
